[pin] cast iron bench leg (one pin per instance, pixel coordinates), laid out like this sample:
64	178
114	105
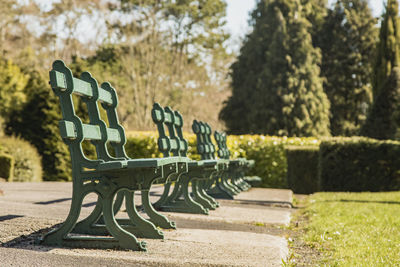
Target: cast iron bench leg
125	239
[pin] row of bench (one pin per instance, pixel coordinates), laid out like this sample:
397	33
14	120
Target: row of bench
115	177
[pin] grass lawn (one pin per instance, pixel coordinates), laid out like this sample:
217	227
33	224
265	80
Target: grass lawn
352	229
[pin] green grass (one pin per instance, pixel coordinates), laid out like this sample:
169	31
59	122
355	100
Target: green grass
355	229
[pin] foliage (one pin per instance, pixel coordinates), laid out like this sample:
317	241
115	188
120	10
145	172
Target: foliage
276	88
384	117
175	80
12	82
359	164
6	167
354	229
302	169
37	122
388	47
27	167
347	40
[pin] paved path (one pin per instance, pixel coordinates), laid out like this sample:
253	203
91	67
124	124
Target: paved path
246	231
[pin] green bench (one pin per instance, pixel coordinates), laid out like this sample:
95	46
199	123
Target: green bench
174	144
237	167
219	186
110	177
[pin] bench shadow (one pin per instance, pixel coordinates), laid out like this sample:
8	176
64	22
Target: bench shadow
52	201
271	203
183	223
30	242
365	201
10	217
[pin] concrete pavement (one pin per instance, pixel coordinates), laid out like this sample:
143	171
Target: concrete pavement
246	231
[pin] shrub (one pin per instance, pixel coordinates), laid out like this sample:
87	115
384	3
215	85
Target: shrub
27	166
359	164
302	170
6	167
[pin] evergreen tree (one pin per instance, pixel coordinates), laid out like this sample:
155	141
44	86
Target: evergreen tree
388	47
384	118
37	122
347	41
13	82
276	88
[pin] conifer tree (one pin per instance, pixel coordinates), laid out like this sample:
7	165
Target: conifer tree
388	46
347	41
37	122
384	117
276	88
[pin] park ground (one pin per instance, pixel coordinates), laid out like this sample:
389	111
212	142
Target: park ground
248	231
261	227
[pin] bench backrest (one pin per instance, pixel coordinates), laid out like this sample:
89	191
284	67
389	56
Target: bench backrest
223	151
173	142
205	147
73	131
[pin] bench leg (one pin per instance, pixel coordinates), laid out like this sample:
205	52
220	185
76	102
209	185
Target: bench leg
218	190
205	202
125	239
164	197
57	236
155	217
144	228
174	202
86	226
201	189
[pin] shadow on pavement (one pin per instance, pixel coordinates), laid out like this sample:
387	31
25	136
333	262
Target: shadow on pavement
10	217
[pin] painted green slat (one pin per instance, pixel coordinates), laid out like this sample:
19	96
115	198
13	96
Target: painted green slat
67	129
168	117
82	87
57	80
174	144
113	135
105	96
91	132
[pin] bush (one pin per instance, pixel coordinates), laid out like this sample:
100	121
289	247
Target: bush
27	166
6	167
302	170
359	164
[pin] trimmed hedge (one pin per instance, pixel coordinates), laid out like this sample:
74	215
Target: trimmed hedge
6	167
267	151
359	164
27	167
302	171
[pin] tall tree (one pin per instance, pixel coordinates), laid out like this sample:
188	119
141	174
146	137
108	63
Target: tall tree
276	88
347	41
384	117
388	47
37	122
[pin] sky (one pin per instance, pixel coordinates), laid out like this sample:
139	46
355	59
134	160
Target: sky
238	15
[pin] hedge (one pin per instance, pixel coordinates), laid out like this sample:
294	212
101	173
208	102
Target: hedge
6	167
359	164
302	172
267	151
27	162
